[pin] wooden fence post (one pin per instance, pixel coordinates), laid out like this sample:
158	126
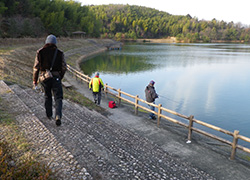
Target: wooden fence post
119	96
106	90
234	144
136	104
190	127
159	115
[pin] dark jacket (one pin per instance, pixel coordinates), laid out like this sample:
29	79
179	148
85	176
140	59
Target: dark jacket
150	93
44	59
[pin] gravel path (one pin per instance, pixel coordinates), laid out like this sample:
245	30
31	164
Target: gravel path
91	146
119	146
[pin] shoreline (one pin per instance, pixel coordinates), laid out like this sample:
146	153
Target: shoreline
172	139
208	157
174	40
168	40
84	57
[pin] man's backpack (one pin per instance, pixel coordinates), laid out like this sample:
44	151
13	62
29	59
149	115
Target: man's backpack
112	104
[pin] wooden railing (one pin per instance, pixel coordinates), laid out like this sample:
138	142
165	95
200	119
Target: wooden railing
78	74
190	119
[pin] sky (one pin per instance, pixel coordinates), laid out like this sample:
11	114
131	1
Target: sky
236	11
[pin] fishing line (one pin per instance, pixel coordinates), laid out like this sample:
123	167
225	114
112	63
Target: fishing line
167	98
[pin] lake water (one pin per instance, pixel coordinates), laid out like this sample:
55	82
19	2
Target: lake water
209	81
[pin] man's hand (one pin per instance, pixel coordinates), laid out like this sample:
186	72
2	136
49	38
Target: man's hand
34	83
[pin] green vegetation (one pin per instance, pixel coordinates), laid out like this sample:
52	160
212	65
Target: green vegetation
35	18
116	64
132	22
74	96
16	159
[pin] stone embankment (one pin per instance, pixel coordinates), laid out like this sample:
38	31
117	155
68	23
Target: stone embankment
89	145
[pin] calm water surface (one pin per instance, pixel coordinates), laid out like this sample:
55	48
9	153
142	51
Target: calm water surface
209	81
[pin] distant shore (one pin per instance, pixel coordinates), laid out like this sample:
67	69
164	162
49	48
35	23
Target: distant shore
167	40
174	40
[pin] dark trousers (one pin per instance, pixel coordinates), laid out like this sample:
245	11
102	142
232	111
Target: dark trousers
97	97
53	85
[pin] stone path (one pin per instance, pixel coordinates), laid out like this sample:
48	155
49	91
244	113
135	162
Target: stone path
207	154
89	145
57	157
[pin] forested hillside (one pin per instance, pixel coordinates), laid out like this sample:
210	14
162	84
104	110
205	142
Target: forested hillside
22	18
126	21
34	18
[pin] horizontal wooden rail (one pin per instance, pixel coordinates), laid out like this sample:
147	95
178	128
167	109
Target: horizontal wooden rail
79	74
213	127
118	93
126	94
174	113
174	121
113	94
151	104
212	136
110	87
124	99
244	138
243	148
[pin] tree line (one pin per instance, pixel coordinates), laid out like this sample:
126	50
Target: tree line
34	18
132	22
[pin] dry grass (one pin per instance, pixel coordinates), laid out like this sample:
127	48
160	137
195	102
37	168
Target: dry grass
17	56
16	65
16	158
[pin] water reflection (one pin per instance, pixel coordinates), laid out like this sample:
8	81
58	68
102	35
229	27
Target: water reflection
136	58
116	64
209	81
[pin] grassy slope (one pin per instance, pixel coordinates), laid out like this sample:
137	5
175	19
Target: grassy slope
17	59
16	66
16	157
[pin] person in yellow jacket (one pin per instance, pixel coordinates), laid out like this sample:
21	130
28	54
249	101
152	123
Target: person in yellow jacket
96	86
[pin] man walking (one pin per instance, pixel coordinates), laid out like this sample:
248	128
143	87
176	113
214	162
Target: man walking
96	86
151	95
51	58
